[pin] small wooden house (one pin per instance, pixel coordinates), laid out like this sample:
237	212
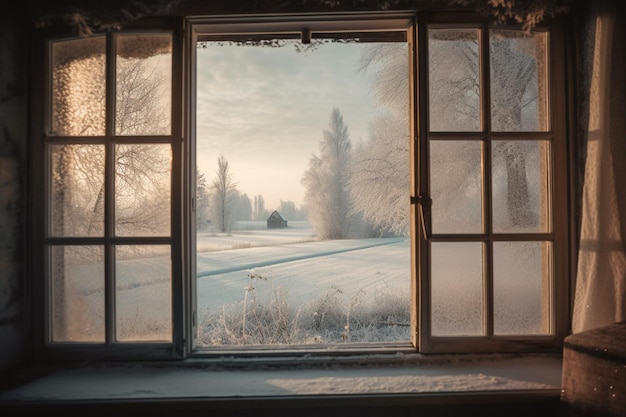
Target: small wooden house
276	221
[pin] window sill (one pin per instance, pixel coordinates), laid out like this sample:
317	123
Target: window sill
408	380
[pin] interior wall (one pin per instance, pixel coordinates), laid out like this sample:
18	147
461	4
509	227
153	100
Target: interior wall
13	133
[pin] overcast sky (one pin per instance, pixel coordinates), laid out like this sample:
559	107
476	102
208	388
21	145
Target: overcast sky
265	109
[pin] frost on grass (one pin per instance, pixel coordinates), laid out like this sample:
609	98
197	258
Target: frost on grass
331	318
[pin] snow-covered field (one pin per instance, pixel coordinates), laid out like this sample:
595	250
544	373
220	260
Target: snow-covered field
347	273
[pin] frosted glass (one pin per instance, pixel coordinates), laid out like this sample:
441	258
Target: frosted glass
456	289
521	287
78	87
454	80
456	186
518	70
143	190
143	293
144	85
76	190
520	186
77	293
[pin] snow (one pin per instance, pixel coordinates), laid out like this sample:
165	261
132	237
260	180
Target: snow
491	373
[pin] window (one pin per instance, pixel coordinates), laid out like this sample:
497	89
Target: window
422	204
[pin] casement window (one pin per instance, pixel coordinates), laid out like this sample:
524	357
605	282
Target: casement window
377	182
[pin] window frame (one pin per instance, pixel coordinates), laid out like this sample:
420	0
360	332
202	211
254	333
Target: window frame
45	347
182	239
558	188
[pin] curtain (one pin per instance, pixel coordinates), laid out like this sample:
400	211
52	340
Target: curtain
600	289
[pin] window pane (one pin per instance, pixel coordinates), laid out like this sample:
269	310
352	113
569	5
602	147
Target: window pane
520	186
143	293
454	80
457	289
302	196
518	81
456	186
78	87
76	190
143	190
144	85
77	293
522	287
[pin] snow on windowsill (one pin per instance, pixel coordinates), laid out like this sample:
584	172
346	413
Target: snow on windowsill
210	381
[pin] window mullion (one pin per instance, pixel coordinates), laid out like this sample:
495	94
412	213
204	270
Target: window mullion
486	177
109	186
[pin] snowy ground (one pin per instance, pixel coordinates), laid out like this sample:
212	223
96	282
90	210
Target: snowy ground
348	272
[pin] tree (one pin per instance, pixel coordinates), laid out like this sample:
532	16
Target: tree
326	182
202	201
379	183
258	211
223	192
516	105
142	171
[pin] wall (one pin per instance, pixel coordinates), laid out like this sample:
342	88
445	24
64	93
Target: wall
13	133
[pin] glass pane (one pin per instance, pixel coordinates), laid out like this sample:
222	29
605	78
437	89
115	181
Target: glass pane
519	88
457	289
456	186
144	85
76	190
522	287
143	189
454	80
302	185
77	293
143	293
78	87
520	186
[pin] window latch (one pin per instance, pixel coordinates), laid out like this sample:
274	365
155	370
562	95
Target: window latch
424	203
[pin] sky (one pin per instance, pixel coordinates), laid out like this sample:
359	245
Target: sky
265	109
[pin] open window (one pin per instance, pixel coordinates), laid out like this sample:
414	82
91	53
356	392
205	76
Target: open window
315	183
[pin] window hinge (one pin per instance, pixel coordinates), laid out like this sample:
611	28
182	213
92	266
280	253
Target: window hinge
193	319
193	204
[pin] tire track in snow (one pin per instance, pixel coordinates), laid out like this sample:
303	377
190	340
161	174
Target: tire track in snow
259	264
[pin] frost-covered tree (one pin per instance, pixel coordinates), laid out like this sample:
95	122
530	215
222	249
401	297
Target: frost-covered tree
259	212
242	206
223	191
379	182
326	182
202	201
516	104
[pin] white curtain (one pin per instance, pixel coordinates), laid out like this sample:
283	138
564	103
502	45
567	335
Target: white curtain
601	277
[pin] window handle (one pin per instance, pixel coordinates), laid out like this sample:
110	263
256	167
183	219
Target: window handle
424	203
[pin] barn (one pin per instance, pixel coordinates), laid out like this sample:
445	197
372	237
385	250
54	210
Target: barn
276	221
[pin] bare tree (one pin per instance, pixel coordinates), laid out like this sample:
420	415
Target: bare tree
223	192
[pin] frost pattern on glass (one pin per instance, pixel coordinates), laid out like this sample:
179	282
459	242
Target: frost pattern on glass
143	293
76	190
456	186
520	186
454	80
143	190
78	87
144	85
456	289
521	287
518	67
77	293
